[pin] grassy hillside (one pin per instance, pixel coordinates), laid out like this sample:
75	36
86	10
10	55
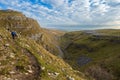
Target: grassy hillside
16	21
25	58
95	56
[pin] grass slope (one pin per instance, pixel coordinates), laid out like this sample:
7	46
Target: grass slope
15	61
16	21
25	59
103	54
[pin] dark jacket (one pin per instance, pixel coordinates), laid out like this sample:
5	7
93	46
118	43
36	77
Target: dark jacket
13	34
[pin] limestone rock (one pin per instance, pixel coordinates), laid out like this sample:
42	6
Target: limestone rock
30	71
70	78
42	68
5	78
63	69
53	74
12	55
56	74
26	73
12	72
12	63
7	45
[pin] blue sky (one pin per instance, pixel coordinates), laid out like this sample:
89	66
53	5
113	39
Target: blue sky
68	12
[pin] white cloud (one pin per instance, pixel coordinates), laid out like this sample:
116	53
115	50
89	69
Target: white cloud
114	1
83	12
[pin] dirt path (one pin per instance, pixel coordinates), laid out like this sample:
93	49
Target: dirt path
34	66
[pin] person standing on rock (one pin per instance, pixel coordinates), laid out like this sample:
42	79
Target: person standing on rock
13	34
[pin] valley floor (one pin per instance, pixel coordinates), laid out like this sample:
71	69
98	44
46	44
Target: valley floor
95	53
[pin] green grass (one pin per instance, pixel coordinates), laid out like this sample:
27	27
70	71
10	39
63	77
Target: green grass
29	27
4	71
103	53
41	49
21	61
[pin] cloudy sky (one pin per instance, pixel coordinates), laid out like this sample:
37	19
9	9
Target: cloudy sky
68	12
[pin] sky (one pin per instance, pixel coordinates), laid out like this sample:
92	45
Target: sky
54	13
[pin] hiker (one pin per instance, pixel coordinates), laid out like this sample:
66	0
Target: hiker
13	33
